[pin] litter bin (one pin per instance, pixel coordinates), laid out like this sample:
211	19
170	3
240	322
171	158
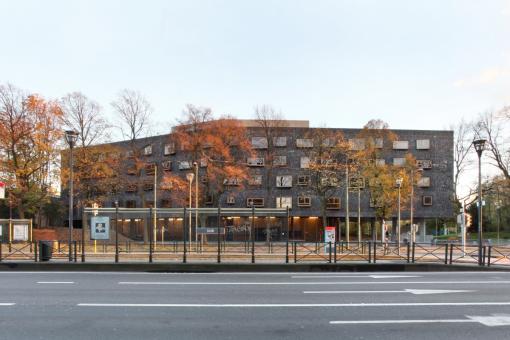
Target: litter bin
45	248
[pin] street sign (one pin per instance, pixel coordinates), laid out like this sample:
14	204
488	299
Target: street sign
207	230
100	228
2	190
329	234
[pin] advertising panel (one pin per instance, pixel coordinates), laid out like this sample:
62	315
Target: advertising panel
100	228
20	232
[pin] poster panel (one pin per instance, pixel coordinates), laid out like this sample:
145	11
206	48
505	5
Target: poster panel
100	228
20	232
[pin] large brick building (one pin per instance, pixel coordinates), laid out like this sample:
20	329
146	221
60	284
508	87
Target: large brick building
432	197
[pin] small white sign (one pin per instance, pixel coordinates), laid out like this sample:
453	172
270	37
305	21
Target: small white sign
2	190
20	232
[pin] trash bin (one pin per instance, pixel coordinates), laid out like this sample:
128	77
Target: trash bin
45	249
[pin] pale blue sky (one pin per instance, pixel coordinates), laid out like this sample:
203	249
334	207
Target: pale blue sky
414	64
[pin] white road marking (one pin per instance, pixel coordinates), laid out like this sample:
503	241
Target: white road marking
412	291
183	283
358	322
56	282
293	305
7	303
347	276
491	321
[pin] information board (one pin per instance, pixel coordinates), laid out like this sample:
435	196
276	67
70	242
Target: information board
100	228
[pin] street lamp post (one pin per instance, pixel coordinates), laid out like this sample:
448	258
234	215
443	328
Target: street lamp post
413	231
195	166
189	177
399	185
479	146
71	138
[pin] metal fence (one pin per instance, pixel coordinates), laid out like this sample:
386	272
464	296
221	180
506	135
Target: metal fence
256	252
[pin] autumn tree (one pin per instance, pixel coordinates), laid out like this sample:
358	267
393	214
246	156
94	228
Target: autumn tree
325	164
30	133
461	151
133	112
95	167
219	147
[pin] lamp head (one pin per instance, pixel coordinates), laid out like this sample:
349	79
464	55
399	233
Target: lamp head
479	145
190	176
399	181
71	137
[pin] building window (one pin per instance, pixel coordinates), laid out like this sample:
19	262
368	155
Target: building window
133	187
400	145
259	142
255	161
357	144
380	162
284	181
231	200
149	204
399	161
280	161
166	165
333	203
257	202
148	186
375	202
424	182
304	143
280	142
284	202
130	204
424	163
427	200
147	151
329	181
184	165
203	163
328	143
150	169
379	143
303	180
209	199
304	201
255	180
422	144
169	149
232	181
165	203
132	171
304	162
356	183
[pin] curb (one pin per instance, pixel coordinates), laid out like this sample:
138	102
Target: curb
242	267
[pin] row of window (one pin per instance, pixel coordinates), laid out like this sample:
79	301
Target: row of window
356	144
306	201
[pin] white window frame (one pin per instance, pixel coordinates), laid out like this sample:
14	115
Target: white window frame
259	142
422	144
401	145
284	181
284	202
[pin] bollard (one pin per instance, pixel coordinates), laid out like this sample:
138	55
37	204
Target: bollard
295	252
451	253
329	243
414	248
446	254
375	252
369	252
483	255
489	257
35	252
335	250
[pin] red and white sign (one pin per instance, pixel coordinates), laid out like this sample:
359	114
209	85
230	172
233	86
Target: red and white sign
329	234
2	190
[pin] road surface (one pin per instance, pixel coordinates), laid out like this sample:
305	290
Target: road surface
400	305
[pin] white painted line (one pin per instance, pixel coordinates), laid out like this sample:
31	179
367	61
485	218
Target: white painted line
412	291
183	283
7	303
348	276
491	321
56	282
358	322
294	305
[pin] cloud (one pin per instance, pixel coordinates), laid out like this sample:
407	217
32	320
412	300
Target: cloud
487	76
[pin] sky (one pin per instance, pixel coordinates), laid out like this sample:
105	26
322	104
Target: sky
414	64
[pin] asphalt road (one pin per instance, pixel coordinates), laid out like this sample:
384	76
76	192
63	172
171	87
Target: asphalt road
255	305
